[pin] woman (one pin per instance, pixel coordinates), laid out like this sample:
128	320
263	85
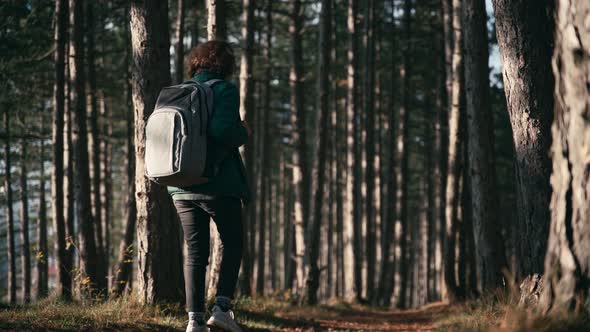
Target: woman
220	198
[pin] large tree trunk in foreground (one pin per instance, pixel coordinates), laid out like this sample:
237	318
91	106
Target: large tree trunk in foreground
24	224
525	34
567	264
489	245
455	87
9	212
312	247
216	20
63	262
87	248
158	238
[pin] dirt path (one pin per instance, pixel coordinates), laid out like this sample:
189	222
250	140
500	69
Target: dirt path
355	319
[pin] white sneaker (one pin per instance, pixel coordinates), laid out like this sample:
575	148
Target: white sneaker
223	320
194	327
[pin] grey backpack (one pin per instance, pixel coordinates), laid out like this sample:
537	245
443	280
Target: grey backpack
176	134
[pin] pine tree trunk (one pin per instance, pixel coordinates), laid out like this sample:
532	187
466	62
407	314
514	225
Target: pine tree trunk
301	174
369	110
179	47
454	149
404	152
247	109
525	36
352	224
83	210
567	263
95	150
62	257
9	212
216	20
124	270
42	250
313	234
489	244
158	238
106	185
24	222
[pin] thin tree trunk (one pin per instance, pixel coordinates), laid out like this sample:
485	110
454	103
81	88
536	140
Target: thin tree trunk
313	234
489	244
42	250
404	152
216	20
454	150
247	112
567	263
179	47
63	259
106	185
24	222
95	150
369	110
158	228
352	224
9	212
525	36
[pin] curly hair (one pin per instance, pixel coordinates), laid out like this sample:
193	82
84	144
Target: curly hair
214	56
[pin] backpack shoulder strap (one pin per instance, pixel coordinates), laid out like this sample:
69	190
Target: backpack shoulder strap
212	82
208	88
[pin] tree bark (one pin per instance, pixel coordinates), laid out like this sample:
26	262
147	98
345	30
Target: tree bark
9	213
63	259
313	234
567	263
489	245
404	152
525	35
42	251
158	238
216	20
247	112
179	47
454	149
87	249
24	222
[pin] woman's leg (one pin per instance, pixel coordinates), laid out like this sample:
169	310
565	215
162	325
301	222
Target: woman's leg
195	224
227	214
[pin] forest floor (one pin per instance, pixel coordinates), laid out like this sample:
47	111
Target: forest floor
276	315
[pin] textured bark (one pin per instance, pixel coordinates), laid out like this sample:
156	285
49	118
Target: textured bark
106	185
489	245
9	213
158	238
179	47
216	17
312	247
403	147
95	148
247	112
83	210
567	263
352	224
42	250
124	271
63	259
525	35
24	223
370	174
454	148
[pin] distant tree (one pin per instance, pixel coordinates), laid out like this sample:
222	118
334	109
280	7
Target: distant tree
525	35
216	21
179	47
24	219
158	238
9	211
568	254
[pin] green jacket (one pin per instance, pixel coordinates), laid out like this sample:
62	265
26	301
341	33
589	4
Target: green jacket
226	134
